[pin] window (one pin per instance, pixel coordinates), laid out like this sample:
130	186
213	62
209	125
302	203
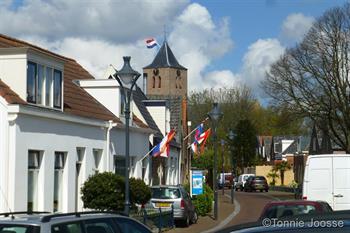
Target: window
44	85
132	164
154	82
100	225
31	82
57	89
78	178
120	165
48	89
60	159
41	80
72	227
97	158
129	225
34	161
18	228
144	167
122	102
159	82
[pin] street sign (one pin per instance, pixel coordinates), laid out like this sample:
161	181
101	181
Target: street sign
196	182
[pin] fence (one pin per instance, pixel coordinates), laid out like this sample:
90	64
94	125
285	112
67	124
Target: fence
156	218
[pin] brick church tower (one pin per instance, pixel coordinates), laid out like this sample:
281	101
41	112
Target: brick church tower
166	80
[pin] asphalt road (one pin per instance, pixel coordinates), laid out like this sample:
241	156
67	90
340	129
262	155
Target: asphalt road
251	204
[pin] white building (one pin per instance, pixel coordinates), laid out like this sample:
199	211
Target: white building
54	135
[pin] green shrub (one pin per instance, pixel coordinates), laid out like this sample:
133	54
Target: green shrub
202	202
140	193
104	191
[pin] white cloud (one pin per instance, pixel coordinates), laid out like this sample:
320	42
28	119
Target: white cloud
295	27
257	61
197	41
110	20
220	79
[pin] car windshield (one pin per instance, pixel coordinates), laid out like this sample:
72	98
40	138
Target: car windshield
165	193
18	228
259	178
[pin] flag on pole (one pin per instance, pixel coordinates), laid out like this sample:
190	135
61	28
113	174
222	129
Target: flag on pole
163	148
151	42
200	140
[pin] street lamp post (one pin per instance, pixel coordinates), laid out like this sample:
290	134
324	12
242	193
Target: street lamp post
128	76
222	166
215	115
231	136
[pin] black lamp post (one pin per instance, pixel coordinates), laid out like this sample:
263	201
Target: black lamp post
222	166
128	76
231	136
215	116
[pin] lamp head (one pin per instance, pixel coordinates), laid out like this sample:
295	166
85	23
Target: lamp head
215	114
127	74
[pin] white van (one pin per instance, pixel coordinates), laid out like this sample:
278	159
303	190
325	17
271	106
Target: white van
327	178
241	181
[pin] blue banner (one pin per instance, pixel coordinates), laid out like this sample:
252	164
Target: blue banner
197	182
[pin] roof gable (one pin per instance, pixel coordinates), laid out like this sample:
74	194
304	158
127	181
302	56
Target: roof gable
76	100
165	59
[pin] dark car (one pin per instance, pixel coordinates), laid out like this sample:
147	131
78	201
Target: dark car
87	222
254	183
278	209
166	196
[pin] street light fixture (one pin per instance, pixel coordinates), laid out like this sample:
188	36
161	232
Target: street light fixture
231	136
127	76
215	116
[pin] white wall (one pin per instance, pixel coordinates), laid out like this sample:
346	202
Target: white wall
161	117
3	155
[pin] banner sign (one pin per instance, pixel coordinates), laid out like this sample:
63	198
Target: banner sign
196	182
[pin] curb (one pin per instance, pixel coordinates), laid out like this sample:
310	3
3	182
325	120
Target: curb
228	219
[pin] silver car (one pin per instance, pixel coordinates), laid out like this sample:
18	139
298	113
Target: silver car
88	222
165	197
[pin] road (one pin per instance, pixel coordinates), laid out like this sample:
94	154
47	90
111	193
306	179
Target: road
250	207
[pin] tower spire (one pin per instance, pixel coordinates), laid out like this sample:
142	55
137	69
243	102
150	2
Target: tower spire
165	33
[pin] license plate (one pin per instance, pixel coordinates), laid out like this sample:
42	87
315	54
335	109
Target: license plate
162	204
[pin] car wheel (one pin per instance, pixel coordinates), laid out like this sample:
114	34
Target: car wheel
194	217
266	190
186	222
261	190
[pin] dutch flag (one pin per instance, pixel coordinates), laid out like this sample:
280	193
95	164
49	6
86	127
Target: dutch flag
151	42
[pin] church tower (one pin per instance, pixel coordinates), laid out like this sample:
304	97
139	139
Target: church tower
165	76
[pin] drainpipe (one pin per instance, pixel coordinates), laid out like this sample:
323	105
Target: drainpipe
111	125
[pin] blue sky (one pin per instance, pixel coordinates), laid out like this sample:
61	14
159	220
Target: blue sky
222	43
251	20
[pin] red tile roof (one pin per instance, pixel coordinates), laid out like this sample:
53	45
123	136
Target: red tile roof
9	95
76	100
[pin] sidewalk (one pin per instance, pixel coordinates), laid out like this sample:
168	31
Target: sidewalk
225	209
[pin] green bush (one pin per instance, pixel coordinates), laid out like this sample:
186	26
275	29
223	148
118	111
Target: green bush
140	193
104	191
202	202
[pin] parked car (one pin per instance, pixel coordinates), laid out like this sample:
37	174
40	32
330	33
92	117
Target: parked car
254	183
88	222
241	181
278	209
326	178
165	197
225	180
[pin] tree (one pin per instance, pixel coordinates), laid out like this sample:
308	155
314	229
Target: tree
140	193
273	175
282	167
312	79
244	144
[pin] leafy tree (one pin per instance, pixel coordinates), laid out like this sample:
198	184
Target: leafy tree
282	167
312	79
104	191
273	175
140	193
244	144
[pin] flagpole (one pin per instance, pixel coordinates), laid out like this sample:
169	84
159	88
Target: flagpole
147	154
194	129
